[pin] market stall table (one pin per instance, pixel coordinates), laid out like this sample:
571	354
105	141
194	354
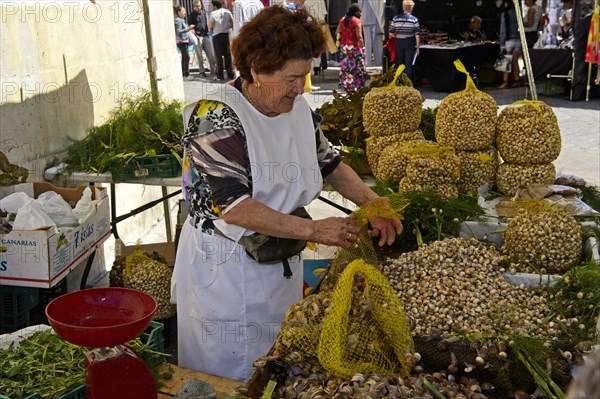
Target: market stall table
223	386
158	181
546	62
436	62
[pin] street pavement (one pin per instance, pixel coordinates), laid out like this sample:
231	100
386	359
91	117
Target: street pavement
579	121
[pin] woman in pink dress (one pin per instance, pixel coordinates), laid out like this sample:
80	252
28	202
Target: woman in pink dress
353	73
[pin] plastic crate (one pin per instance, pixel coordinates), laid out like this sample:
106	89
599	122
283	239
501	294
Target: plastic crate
153	338
15	304
152	166
37	315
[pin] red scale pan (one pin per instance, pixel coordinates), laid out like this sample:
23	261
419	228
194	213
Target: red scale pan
105	319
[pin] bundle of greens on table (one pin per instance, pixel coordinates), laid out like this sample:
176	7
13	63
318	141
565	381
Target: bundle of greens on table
46	365
143	125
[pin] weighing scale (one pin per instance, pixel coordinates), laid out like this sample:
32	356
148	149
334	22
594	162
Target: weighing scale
105	319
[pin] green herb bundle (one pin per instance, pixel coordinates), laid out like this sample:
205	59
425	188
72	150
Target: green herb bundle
138	126
45	364
429	217
576	296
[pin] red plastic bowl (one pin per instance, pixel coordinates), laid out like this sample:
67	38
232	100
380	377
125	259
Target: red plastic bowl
99	317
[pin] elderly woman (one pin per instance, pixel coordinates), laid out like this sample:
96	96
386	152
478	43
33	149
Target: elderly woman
254	157
405	28
474	33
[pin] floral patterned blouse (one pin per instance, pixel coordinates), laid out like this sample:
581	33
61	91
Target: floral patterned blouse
216	165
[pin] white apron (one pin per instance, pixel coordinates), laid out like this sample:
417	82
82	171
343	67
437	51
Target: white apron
229	308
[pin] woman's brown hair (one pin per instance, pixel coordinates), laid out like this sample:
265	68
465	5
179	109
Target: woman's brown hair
274	37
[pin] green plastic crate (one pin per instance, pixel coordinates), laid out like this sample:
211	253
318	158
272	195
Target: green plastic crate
77	393
153	338
15	304
37	315
152	166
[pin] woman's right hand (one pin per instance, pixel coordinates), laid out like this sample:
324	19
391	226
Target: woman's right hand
340	232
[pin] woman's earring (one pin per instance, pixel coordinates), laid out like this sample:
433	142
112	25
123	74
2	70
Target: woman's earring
257	84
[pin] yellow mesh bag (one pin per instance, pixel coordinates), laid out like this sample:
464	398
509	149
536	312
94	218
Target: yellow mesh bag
390	206
365	328
392	109
466	119
382	329
543	237
528	133
152	277
477	168
431	166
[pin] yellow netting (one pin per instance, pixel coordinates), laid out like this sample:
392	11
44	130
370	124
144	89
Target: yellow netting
390	206
466	120
371	329
430	150
400	79
483	157
445	158
533	103
152	277
470	86
365	328
534	205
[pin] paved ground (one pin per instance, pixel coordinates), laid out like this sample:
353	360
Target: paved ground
579	121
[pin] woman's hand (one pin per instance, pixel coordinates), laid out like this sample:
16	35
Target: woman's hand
191	27
341	232
385	229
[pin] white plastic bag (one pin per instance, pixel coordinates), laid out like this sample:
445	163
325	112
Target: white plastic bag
504	63
84	206
57	208
31	216
13	202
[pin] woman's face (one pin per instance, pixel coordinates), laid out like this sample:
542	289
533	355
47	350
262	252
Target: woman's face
277	91
182	13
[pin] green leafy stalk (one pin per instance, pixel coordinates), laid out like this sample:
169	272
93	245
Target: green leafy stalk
433	389
542	380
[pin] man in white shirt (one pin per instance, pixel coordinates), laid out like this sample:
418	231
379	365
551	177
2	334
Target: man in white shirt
244	11
219	23
372	32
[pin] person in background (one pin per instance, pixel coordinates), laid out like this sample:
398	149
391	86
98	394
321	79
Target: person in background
372	33
565	20
182	32
510	43
199	18
474	33
293	6
244	11
219	23
532	13
353	74
238	182
405	28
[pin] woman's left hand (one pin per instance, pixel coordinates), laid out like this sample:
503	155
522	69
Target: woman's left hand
385	229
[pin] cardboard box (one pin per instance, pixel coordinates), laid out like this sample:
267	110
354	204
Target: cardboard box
41	258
